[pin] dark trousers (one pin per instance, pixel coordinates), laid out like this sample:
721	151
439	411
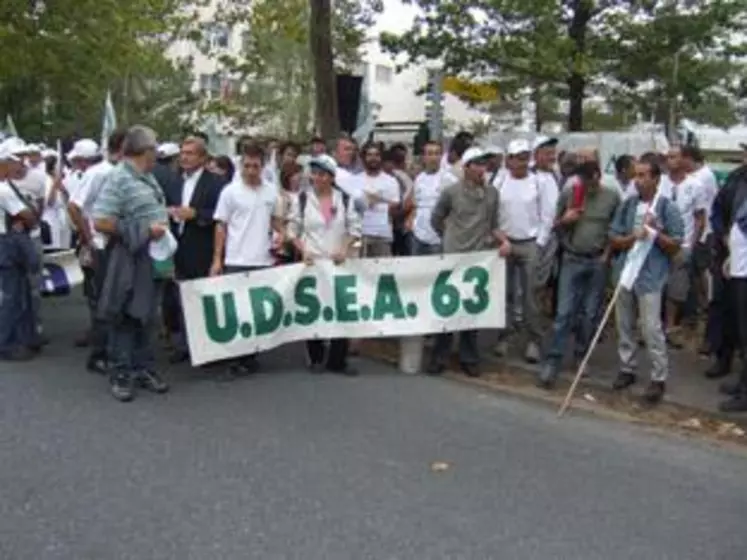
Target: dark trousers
17	325
718	309
401	243
468	352
336	353
735	327
93	282
130	348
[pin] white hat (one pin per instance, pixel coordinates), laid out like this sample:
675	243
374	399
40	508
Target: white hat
325	163
168	149
17	146
84	149
164	248
474	154
543	141
48	153
33	149
8	149
493	150
516	147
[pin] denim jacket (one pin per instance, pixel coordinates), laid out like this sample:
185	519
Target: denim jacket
655	271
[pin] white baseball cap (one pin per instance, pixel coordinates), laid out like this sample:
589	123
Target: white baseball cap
544	141
474	154
168	149
493	150
325	163
84	149
8	149
516	147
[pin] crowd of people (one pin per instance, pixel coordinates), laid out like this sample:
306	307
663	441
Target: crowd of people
145	216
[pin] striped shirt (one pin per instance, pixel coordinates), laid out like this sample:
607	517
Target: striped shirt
131	195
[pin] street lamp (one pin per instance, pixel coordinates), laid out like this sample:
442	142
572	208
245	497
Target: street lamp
434	109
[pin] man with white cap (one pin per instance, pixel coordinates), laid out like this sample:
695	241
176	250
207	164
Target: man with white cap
31	182
18	334
466	217
526	217
91	244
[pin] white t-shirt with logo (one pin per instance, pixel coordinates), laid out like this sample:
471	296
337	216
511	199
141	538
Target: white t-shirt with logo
10	205
376	222
426	192
247	214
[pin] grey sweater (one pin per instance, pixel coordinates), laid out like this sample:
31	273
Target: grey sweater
465	217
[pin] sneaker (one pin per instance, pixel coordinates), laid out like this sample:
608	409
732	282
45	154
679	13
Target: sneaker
501	349
122	387
532	354
623	381
151	381
471	370
737	403
547	377
654	393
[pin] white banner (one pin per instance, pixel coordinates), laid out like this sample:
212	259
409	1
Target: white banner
60	272
239	314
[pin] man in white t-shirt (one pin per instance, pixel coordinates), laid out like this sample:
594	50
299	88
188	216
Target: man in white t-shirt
426	192
243	230
18	335
382	192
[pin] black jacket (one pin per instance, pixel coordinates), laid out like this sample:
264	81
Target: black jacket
195	253
728	200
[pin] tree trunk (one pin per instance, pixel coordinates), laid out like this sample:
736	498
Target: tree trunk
576	80
320	33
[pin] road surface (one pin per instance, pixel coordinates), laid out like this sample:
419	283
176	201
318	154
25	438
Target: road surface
288	465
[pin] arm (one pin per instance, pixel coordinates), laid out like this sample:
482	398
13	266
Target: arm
669	237
620	238
561	207
548	202
106	209
219	248
354	227
499	236
441	211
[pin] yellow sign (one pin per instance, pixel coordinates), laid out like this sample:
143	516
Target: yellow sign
469	90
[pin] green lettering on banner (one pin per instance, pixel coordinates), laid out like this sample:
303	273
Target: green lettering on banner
388	300
261	298
479	277
220	333
444	296
308	307
346	298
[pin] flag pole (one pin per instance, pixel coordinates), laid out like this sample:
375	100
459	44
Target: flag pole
592	346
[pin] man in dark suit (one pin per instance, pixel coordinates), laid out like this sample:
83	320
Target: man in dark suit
191	205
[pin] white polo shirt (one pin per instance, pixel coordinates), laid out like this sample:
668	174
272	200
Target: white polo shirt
247	213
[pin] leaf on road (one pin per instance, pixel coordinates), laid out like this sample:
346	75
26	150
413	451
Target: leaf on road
730	429
440	466
589	397
691	424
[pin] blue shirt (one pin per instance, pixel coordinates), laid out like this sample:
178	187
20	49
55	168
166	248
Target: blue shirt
131	195
655	271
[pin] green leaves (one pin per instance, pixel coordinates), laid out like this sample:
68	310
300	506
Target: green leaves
624	49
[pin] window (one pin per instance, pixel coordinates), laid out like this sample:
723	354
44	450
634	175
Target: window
216	36
383	74
211	85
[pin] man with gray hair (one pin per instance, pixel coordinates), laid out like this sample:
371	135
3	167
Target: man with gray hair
131	212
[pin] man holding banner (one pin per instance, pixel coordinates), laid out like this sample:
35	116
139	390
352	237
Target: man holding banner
466	218
647	232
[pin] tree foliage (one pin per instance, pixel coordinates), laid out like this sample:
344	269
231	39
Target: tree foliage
61	56
577	48
273	70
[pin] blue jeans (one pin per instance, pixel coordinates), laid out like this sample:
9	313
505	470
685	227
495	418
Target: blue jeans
580	291
130	349
17	326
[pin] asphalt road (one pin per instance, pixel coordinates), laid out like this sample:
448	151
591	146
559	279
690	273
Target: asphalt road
293	466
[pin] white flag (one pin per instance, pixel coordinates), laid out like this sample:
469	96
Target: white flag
60	165
109	122
10	126
634	262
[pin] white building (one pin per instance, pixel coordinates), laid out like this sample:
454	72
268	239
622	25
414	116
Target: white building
393	94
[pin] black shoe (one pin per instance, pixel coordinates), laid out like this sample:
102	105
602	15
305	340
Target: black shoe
471	370
730	388
244	367
44	340
151	381
654	393
434	368
122	387
20	354
738	403
623	381
83	341
179	357
97	365
717	371
346	370
316	367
